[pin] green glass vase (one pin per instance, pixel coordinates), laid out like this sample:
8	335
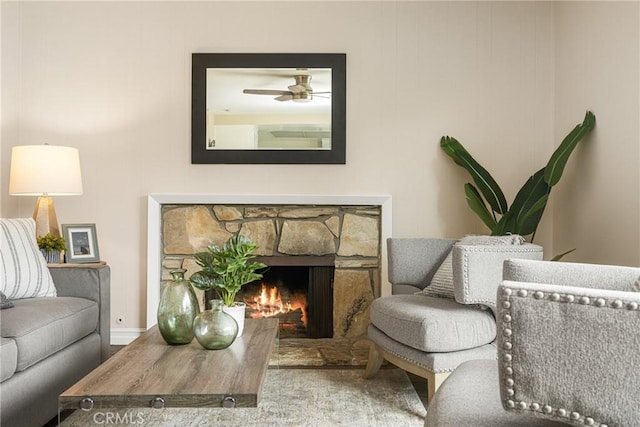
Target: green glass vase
214	328
177	310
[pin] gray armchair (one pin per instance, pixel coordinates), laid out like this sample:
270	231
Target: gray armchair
568	344
430	336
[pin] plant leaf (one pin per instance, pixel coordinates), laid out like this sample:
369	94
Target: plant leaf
477	205
529	204
557	162
483	179
505	225
560	256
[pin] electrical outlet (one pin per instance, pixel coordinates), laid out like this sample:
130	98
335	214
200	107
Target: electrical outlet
120	320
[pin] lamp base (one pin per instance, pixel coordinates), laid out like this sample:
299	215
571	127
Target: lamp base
45	216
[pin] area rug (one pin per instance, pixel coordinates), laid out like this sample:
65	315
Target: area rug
293	397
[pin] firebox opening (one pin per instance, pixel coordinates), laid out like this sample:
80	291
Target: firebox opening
301	297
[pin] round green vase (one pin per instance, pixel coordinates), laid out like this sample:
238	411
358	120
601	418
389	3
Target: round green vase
177	310
214	328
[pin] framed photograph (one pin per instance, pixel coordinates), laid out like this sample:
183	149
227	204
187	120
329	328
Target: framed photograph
81	243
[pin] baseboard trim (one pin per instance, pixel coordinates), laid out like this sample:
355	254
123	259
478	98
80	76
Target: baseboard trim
124	336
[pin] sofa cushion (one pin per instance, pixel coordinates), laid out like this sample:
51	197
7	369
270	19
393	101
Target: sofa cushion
43	326
23	270
432	324
8	358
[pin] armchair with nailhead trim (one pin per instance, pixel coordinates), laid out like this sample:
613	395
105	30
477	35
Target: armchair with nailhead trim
431	335
568	352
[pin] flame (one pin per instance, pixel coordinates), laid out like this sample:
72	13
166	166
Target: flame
268	303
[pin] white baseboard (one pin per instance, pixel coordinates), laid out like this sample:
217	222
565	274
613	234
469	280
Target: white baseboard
124	336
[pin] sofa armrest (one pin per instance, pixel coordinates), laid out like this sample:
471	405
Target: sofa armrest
415	261
92	282
477	269
569	353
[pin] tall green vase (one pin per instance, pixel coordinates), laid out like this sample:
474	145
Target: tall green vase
177	310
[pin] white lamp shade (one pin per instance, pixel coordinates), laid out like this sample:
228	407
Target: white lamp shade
45	170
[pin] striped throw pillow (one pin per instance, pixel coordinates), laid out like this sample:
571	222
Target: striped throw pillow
441	285
23	270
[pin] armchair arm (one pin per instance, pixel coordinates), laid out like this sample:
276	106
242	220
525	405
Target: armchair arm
477	269
569	353
92	282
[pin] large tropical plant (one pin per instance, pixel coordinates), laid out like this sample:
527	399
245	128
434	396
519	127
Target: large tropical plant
226	269
487	200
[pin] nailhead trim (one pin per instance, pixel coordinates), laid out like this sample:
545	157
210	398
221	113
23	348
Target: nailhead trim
507	358
507	249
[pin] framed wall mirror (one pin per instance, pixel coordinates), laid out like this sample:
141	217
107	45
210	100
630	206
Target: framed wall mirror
268	108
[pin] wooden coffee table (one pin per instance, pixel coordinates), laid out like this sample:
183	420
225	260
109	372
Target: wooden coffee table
150	373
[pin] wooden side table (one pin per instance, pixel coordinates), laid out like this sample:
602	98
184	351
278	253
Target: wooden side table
75	265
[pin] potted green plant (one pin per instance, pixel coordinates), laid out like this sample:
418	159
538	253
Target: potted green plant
225	270
487	200
51	246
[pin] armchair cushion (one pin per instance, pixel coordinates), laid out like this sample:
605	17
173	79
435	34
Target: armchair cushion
470	398
569	353
432	324
442	282
23	270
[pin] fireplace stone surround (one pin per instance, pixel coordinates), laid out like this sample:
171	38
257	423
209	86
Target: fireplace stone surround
352	229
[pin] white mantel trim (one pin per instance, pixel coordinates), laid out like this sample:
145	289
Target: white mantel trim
154	223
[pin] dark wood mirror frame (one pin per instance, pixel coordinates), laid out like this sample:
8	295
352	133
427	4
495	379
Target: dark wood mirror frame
202	61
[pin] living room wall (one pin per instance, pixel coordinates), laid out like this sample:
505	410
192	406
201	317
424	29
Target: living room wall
597	207
113	80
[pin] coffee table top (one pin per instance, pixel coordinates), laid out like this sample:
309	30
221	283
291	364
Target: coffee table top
148	372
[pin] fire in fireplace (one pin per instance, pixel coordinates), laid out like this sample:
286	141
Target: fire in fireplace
301	297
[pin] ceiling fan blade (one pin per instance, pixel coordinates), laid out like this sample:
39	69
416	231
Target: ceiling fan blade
266	92
287	97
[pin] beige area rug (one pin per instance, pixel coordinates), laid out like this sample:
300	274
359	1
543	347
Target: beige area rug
295	397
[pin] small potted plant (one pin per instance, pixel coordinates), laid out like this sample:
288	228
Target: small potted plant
225	270
51	246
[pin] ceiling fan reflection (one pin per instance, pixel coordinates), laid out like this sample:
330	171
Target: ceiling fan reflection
301	91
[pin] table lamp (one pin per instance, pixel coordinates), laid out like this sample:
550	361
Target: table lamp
45	171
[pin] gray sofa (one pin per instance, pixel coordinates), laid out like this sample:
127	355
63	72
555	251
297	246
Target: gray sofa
568	336
49	343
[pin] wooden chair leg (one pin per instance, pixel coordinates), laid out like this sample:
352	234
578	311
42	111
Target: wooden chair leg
373	362
434	380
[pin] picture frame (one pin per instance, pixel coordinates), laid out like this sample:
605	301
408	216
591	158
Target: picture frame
81	243
214	72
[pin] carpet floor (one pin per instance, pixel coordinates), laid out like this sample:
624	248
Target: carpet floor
295	397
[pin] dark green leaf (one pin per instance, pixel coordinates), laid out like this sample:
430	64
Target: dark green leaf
477	205
451	146
560	256
489	188
559	158
529	204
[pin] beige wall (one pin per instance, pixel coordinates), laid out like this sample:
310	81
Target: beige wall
113	79
597	205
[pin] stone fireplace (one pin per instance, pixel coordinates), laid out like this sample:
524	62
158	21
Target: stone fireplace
344	234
